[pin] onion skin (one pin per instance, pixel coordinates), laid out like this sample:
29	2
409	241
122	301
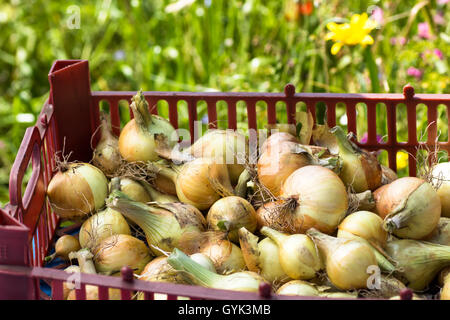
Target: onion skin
63	247
298	288
278	162
409	206
297	254
138	139
165	185
121	250
134	190
262	257
226	256
101	226
388	175
361	170
232	213
364	224
106	153
68	286
346	260
311	187
78	190
277	138
441	177
166	225
441	234
224	147
445	291
160	270
276	215
419	261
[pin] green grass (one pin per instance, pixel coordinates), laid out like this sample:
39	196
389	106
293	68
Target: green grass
229	45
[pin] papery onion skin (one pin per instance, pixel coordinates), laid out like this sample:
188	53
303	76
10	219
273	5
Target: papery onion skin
277	138
276	215
410	207
106	154
165	185
441	234
445	291
322	199
226	256
388	175
419	261
278	162
364	224
102	225
234	212
121	250
441	178
161	271
225	147
69	286
77	191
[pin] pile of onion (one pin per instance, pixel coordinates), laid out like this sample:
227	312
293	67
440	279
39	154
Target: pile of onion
440	177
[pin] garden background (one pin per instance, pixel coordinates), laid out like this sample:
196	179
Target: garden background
224	45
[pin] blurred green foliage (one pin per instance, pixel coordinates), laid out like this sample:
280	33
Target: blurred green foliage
226	45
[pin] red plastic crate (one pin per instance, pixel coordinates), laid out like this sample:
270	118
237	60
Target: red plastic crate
28	226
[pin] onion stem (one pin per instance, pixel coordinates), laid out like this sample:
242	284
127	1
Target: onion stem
84	258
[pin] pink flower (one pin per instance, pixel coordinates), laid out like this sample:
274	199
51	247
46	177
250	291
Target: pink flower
439	18
414	72
439	54
377	15
424	30
400	40
365	137
442	2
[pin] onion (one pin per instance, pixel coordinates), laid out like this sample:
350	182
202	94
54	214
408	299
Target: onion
367	226
164	185
159	196
225	255
138	140
418	261
276	215
440	177
69	286
363	201
223	147
298	288
298	256
121	250
133	189
160	270
200	182
387	175
92	293
441	234
77	190
346	260
311	187
84	258
262	257
278	162
63	246
277	138
102	225
410	207
231	213
166	225
194	273
106	153
361	170
445	291
304	288
204	261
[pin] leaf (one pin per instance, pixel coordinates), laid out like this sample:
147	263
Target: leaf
306	122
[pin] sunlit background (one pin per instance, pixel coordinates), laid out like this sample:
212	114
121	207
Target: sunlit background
225	45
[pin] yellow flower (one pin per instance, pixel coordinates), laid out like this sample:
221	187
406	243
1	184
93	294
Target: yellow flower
402	160
353	33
